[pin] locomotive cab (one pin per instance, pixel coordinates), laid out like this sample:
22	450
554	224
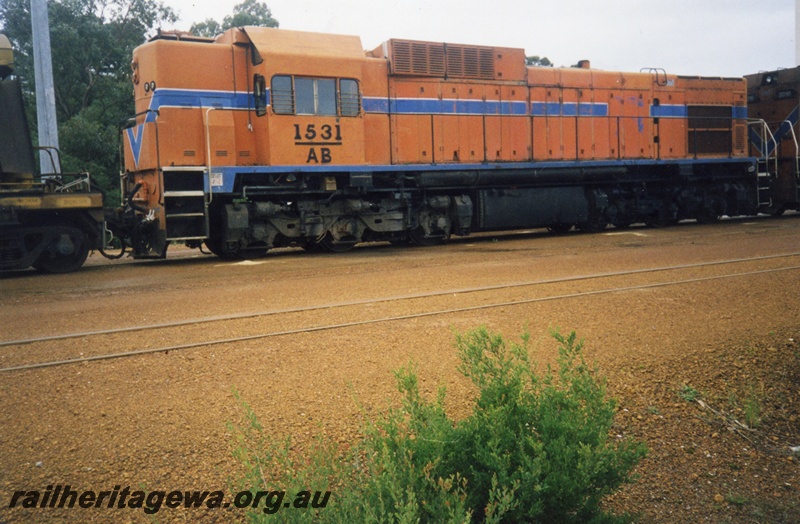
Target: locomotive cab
265	106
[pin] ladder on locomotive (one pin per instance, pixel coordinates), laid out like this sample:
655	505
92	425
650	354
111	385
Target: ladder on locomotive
796	159
766	164
769	160
185	203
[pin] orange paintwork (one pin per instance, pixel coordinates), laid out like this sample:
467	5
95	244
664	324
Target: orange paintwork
529	114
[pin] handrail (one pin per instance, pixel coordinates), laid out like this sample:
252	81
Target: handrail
656	71
58	170
796	150
83	183
208	151
767	138
125	124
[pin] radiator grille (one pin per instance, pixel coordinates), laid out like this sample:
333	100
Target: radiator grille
710	129
417	58
739	139
470	62
442	60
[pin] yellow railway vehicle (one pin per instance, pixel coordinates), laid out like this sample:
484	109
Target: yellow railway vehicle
52	222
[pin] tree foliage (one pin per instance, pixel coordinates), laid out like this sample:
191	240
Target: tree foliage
539	61
91	42
249	12
208	27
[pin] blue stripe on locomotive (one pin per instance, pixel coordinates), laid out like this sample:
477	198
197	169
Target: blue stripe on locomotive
379	105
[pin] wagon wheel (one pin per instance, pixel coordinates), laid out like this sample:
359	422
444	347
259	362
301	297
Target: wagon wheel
66	251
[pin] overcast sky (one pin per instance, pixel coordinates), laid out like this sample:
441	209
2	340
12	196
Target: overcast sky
693	37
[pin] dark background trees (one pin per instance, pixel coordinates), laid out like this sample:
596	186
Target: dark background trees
536	60
249	12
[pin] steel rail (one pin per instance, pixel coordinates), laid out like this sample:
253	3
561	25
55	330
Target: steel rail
387	319
241	316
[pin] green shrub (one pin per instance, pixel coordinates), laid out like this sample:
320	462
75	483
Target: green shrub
545	436
688	393
536	448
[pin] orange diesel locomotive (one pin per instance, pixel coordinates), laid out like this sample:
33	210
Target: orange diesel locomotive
262	138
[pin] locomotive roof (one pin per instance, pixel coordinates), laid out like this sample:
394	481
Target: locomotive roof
286	42
789	76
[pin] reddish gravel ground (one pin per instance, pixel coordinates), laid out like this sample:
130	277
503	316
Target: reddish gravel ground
692	364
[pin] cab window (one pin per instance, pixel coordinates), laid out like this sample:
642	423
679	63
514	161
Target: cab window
301	95
315	96
282	95
349	99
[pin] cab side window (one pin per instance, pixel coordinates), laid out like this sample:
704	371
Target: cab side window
315	96
260	95
349	97
305	96
282	95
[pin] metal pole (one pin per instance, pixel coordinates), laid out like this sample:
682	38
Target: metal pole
45	90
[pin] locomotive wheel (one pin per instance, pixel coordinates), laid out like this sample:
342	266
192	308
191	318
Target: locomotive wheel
658	223
658	219
594	225
311	246
776	211
559	229
418	237
66	252
248	253
706	216
252	252
329	244
216	247
401	240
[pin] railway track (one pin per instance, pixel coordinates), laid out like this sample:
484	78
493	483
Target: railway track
43	352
